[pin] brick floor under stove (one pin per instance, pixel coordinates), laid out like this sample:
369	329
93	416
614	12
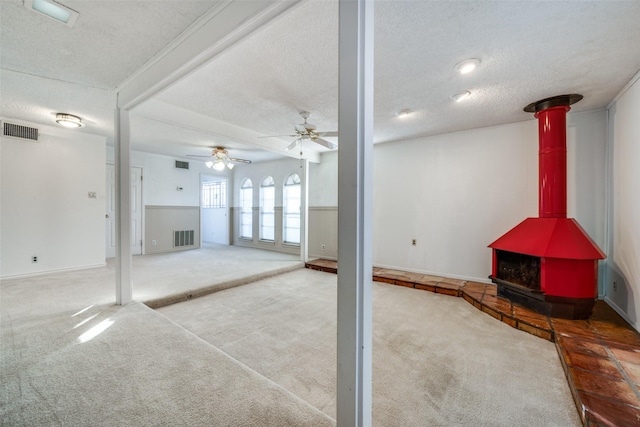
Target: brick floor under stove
600	356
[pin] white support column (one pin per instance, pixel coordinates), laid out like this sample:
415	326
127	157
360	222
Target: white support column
304	211
124	290
355	213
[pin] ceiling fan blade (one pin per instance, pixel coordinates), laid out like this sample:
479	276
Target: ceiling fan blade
278	136
292	145
240	160
197	155
325	143
328	134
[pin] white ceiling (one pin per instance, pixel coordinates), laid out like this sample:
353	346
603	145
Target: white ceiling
528	51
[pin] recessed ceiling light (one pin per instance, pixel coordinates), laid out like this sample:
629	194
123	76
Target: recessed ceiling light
461	96
404	113
467	66
53	10
69	121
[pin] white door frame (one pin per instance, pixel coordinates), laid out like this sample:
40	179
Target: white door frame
137	248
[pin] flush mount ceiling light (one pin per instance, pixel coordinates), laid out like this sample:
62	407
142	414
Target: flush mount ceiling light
53	10
69	121
403	114
461	96
467	66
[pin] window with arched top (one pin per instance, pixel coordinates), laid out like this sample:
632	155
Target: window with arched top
291	204
267	209
246	209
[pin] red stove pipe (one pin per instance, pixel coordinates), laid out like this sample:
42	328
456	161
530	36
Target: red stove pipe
552	173
552	165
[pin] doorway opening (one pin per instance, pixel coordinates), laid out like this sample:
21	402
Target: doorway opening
214	209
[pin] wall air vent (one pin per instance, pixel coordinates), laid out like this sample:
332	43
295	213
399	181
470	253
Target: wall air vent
18	131
183	238
182	165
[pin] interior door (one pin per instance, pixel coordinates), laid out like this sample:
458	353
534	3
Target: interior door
136	212
214	209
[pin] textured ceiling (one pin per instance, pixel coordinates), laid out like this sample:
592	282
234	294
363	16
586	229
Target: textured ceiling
528	51
109	41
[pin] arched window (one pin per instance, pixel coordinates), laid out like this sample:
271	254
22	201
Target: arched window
246	209
291	210
267	209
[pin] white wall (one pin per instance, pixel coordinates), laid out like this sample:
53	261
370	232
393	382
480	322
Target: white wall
323	179
454	194
45	208
162	179
323	207
457	193
624	238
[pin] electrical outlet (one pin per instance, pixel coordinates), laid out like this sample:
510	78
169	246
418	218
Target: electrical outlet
322	247
34	259
92	194
413	242
154	242
615	286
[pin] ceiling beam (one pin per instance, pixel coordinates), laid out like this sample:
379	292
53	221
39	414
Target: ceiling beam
224	24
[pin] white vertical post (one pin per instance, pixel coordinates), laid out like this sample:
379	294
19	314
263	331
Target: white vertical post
124	292
355	213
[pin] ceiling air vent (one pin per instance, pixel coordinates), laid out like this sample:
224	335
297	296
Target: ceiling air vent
18	131
182	165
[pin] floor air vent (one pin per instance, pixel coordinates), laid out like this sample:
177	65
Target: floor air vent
18	131
183	238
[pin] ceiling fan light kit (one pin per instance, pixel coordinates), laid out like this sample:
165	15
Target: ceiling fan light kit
219	166
220	159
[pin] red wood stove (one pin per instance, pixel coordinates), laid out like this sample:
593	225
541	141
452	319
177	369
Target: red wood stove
549	263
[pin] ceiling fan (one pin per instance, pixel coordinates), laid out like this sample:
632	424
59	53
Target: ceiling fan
308	131
220	158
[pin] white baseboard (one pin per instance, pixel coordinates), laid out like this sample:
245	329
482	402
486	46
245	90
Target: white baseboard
60	270
621	312
318	256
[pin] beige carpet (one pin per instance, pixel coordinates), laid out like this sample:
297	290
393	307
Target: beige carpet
266	356
142	369
437	360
